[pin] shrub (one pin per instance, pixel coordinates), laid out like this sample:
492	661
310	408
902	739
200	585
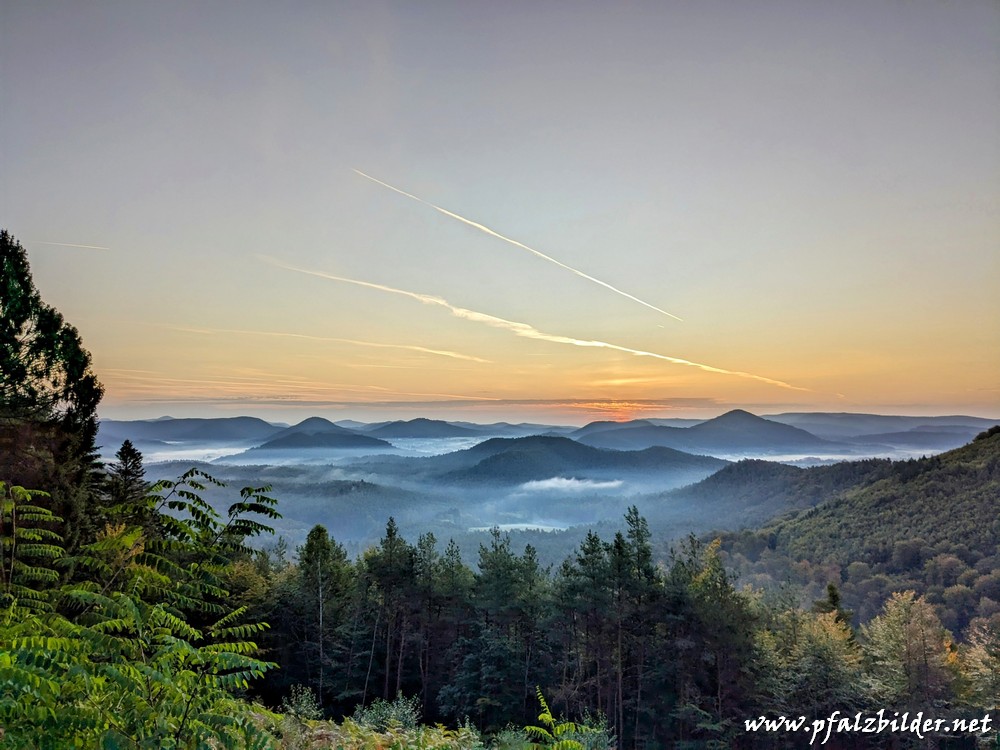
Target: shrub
381	714
301	703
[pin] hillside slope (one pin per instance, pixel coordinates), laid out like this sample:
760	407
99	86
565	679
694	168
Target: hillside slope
751	492
735	432
507	461
930	524
952	498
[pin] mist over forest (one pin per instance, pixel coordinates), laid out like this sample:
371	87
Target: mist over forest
542	484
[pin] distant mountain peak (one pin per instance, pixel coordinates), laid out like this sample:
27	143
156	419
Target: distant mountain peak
421	427
738	415
315	421
315	426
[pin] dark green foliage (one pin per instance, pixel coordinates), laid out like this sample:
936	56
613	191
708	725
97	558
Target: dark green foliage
320	611
48	397
125	482
117	659
44	369
29	549
831	604
947	498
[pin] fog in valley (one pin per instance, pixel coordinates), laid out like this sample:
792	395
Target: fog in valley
546	485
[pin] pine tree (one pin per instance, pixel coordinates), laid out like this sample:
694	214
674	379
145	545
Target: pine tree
323	582
832	604
390	569
126	488
125	476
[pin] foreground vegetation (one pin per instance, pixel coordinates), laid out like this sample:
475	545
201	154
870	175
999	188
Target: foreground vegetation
134	615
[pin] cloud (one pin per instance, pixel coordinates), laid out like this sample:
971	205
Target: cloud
527	331
68	244
521	245
564	484
147	387
355	342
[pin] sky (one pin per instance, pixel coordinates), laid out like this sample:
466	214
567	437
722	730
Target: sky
551	212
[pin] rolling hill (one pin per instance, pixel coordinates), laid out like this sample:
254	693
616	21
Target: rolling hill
951	499
840	426
223	429
305	440
507	461
752	492
929	524
422	428
735	432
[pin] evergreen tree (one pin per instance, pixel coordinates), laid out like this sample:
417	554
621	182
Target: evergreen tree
323	582
711	629
390	568
832	604
126	488
583	626
125	475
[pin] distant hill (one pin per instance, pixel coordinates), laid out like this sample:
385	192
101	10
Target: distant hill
518	460
352	424
838	426
506	429
422	428
605	425
309	441
352	510
924	437
953	498
222	429
300	440
735	432
752	491
313	426
675	422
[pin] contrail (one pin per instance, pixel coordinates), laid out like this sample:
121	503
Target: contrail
521	245
69	244
282	334
528	331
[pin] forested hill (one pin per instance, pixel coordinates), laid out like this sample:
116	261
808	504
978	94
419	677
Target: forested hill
507	461
931	524
515	460
949	499
752	492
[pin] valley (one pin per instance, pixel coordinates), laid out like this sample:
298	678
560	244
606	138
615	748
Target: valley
546	485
